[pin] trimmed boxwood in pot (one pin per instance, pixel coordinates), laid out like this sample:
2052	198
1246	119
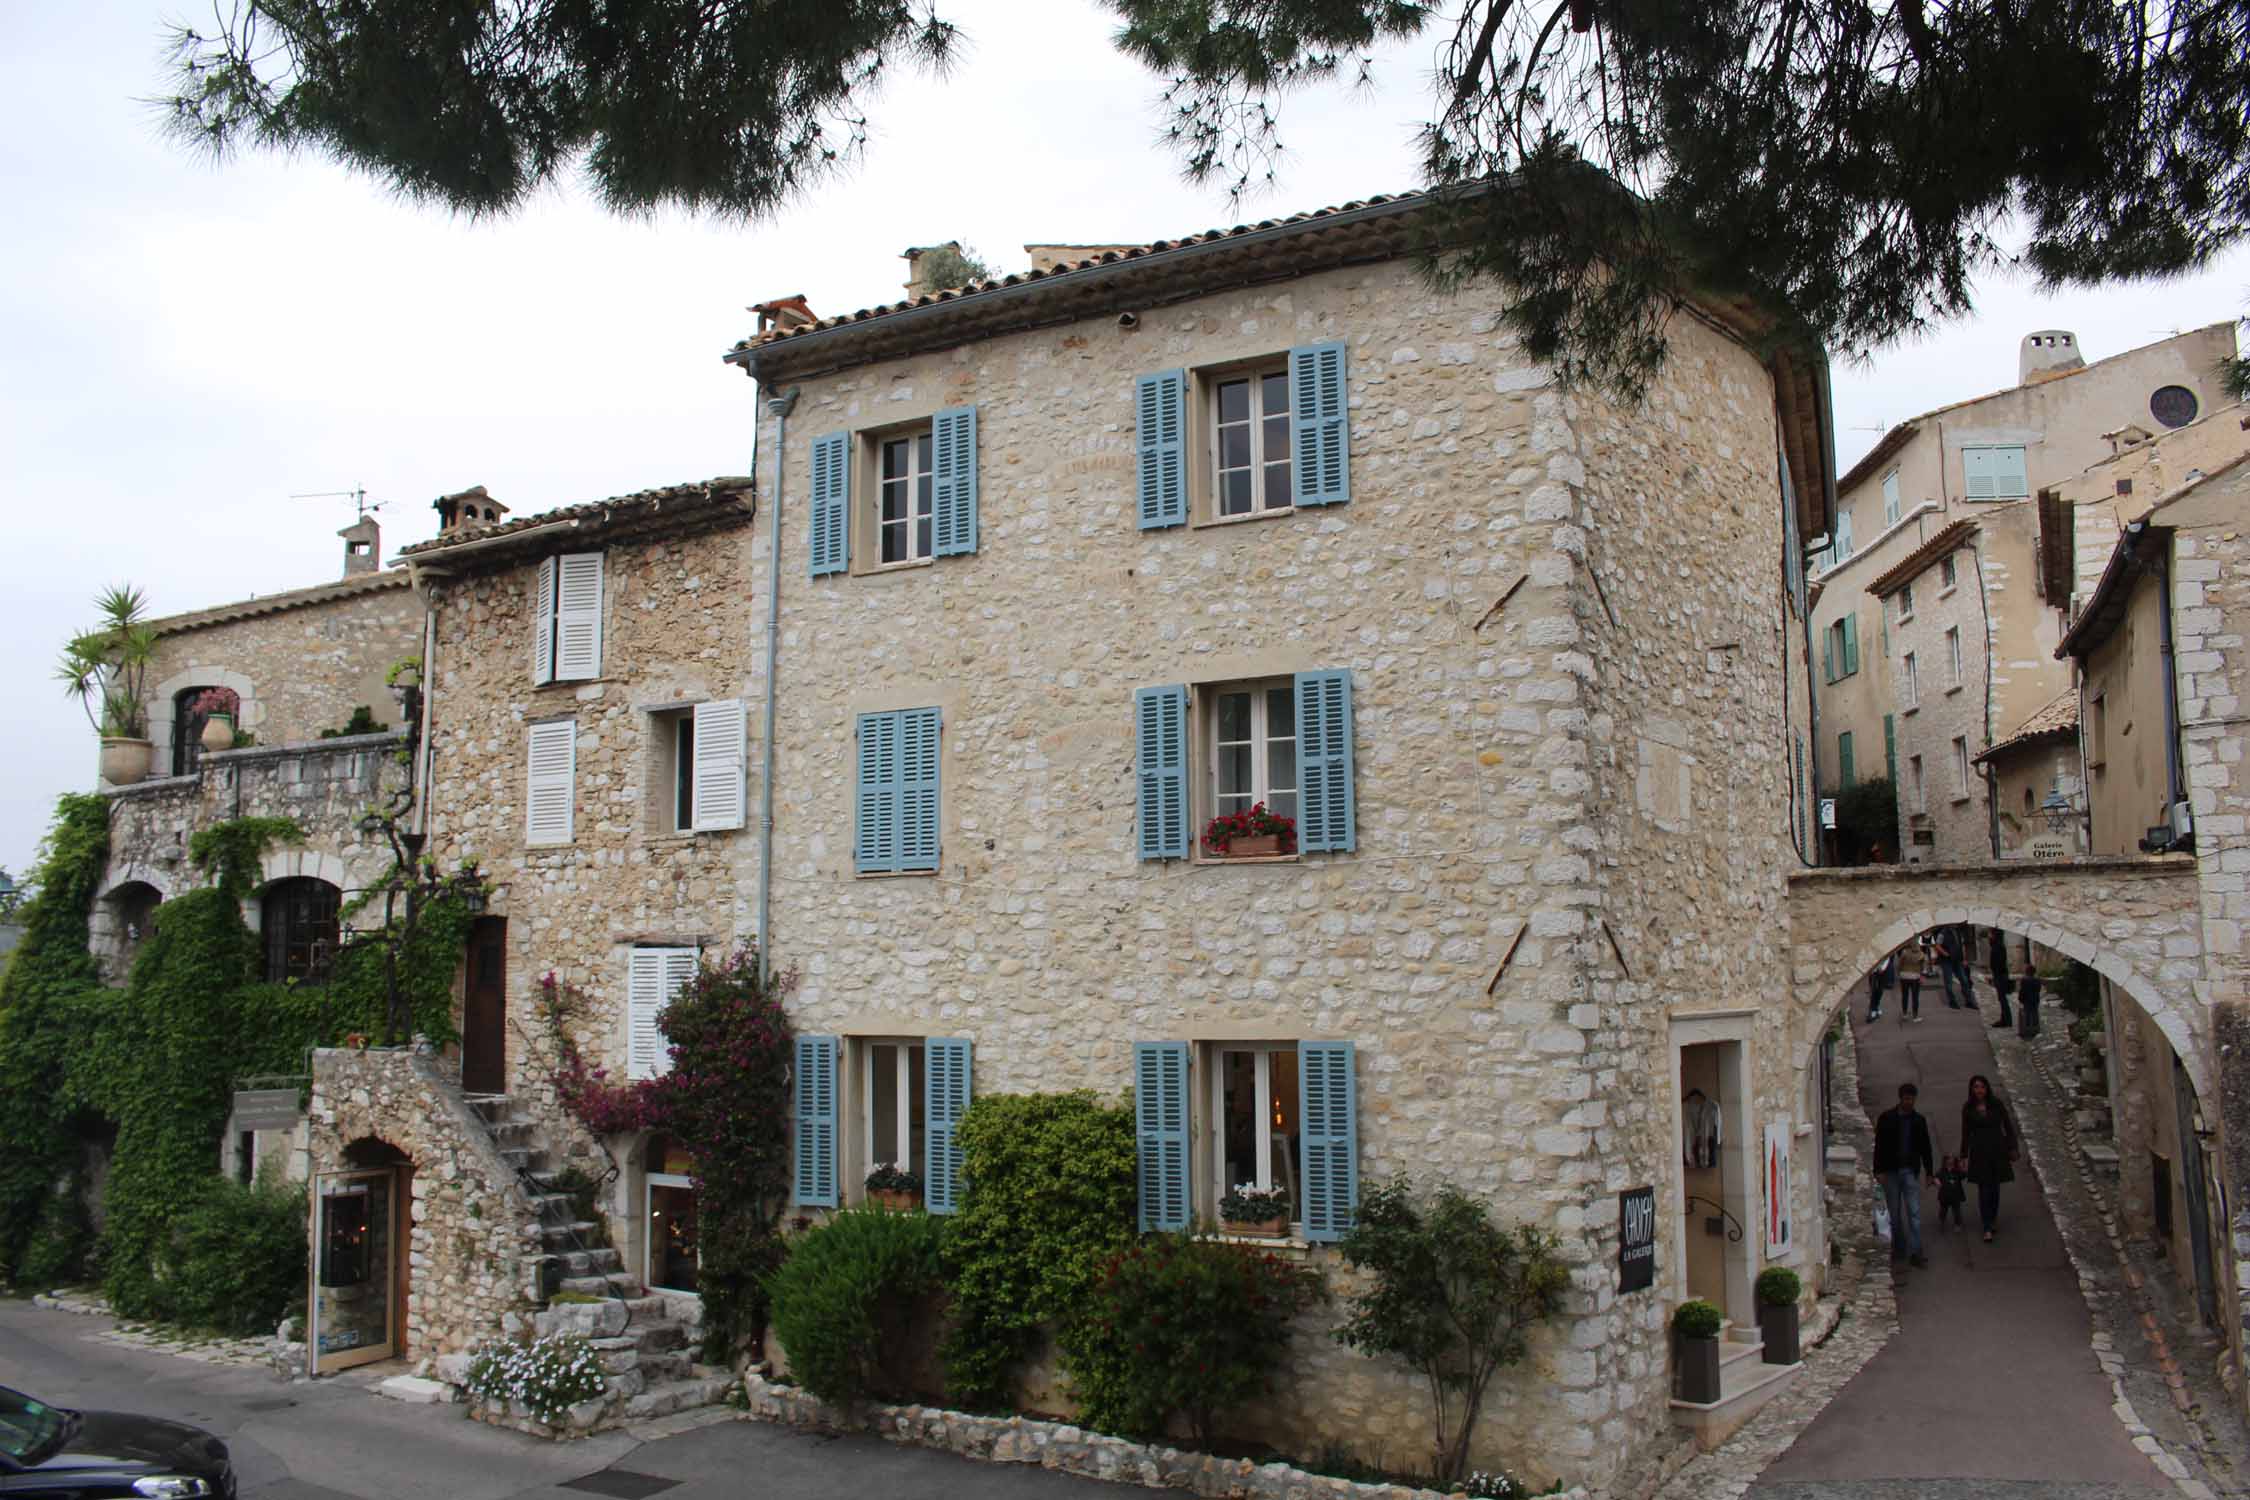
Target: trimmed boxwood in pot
1778	1291
1696	1361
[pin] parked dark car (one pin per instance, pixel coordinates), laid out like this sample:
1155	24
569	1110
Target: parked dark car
105	1455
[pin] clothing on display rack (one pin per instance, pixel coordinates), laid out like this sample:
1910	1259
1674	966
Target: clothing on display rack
1700	1122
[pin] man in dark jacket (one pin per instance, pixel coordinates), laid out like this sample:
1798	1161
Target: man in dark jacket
1903	1158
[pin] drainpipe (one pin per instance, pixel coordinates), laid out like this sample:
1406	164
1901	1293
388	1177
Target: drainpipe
2161	564
780	406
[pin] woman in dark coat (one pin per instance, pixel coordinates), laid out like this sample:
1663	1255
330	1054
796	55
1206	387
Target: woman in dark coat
1988	1140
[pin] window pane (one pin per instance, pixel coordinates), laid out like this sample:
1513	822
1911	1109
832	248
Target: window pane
922	493
1238	1120
916	1120
1277	438
1234	447
1281	773
894	499
1235	793
922	534
1276	390
1281	1170
1234	495
683	771
882	1099
1281	712
1234	401
894	542
922	454
671	1237
1234	716
894	460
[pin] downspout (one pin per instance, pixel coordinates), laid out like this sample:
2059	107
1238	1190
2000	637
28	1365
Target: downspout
1991	637
425	743
780	406
2161	562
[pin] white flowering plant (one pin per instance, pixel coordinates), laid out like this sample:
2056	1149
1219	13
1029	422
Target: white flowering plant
549	1376
1494	1484
1247	1203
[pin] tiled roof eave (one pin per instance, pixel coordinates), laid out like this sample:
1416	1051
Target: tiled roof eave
1946	540
273	604
707	501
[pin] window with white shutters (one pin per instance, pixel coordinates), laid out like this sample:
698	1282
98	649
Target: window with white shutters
550	782
1995	472
720	794
578	616
653	977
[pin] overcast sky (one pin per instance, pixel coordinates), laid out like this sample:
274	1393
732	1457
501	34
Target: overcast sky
187	346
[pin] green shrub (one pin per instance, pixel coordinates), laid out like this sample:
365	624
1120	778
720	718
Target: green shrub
1697	1319
1181	1326
1778	1286
1048	1197
549	1376
1454	1295
236	1257
56	1253
846	1300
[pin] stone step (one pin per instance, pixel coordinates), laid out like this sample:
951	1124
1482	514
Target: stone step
668	1307
554	1208
489	1107
582	1234
631	1372
590	1262
675	1395
613	1284
524	1160
643	1337
1745	1386
514	1132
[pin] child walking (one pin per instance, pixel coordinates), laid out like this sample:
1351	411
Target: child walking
1952	1191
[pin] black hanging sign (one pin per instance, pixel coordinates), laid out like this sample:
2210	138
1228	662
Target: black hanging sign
1636	1239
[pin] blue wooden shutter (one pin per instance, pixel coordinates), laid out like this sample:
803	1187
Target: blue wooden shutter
831	503
1160	1110
876	820
953	481
1321	431
1844	766
1328	1127
1890	749
1160	416
917	842
1160	757
1325	822
1828	654
1851	643
816	1121
946	1100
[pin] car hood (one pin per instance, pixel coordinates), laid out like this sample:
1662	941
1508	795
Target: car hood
120	1440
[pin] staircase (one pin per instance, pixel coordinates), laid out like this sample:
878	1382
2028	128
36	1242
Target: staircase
645	1340
1746	1383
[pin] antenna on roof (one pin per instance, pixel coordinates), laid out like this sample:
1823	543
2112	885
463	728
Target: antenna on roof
357	495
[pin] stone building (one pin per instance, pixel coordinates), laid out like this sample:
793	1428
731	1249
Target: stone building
1937	615
2162	679
1070	563
301	664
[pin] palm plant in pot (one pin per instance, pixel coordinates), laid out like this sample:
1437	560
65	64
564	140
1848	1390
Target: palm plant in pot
1778	1291
894	1187
108	665
1695	1363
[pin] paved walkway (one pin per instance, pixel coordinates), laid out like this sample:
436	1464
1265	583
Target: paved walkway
1990	1385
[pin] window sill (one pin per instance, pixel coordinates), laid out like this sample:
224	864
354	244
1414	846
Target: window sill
1293	1243
572	683
1907	618
873	570
1959	798
1219	860
1273	514
894	874
1947	593
1955	688
1911	708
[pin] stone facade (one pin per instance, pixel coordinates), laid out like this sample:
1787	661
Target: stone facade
1562	621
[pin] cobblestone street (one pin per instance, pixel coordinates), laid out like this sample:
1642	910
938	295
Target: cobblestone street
2034	1366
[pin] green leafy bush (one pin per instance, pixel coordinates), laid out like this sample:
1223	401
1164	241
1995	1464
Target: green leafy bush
847	1299
236	1258
1778	1286
1454	1295
1048	1198
549	1376
1181	1326
1697	1319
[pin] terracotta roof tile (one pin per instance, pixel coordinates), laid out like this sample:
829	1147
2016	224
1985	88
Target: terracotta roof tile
273	604
1910	567
2051	721
697	492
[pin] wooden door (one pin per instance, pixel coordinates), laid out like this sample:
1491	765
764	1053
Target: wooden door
484	1010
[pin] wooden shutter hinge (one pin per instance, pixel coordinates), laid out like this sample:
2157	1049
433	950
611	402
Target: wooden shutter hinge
1500	603
1508	958
1614	948
1602	594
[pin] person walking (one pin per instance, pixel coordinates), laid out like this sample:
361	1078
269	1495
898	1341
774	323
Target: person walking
2000	974
1952	967
1909	963
1879	980
1903	1158
1988	1140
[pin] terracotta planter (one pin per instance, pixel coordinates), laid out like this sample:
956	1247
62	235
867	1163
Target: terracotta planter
1695	1370
218	732
1251	846
1265	1229
1778	1326
896	1200
125	761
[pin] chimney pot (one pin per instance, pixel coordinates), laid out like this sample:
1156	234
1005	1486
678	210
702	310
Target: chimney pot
363	546
467	510
2046	354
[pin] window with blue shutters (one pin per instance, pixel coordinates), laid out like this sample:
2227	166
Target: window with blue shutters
1328	1125
1283	744
946	1094
1283	1119
815	1087
1995	472
1160	764
1161	1110
1160	433
829	509
895	814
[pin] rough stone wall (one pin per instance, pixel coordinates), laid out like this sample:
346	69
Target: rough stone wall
1954	812
2021	780
1046	941
299	670
324	784
1685	840
676	632
473	1245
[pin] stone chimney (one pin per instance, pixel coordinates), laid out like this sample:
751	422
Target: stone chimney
1050	257
918	282
783	314
467	510
2046	354
363	546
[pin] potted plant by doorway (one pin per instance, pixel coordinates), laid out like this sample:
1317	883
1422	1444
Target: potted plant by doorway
895	1188
1256	834
1250	1209
1695	1361
218	708
1778	1291
109	665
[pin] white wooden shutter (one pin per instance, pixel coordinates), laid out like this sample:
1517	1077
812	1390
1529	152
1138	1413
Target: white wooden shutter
543	635
550	785
578	616
720	793
655	977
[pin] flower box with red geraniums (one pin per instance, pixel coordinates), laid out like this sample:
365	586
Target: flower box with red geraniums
1254	834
